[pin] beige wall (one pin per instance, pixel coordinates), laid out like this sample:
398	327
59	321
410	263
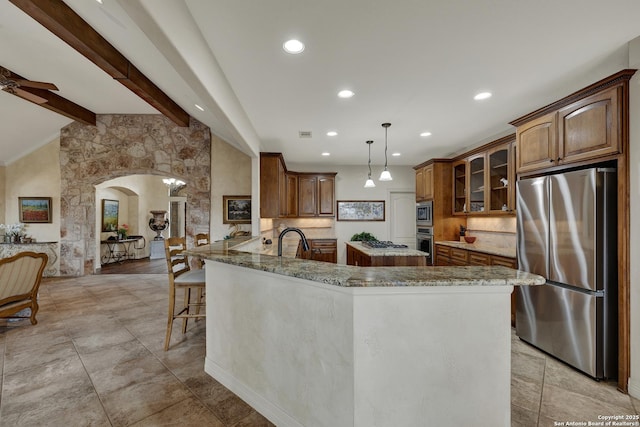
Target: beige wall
3	171
230	176
35	175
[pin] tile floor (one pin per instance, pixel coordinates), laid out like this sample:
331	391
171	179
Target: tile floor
96	358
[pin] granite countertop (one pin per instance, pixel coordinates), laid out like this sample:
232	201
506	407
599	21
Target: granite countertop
479	247
232	252
386	251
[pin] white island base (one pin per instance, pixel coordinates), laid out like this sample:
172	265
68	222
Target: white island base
304	353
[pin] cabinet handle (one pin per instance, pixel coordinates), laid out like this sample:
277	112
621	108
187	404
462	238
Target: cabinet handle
550	160
559	158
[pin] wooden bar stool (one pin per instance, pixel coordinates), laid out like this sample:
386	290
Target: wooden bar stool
182	277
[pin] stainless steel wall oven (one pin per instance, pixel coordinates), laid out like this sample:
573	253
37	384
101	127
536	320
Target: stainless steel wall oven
424	241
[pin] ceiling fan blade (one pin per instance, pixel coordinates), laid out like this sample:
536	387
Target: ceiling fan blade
28	96
36	85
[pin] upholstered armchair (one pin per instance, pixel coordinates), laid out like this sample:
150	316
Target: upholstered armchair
20	277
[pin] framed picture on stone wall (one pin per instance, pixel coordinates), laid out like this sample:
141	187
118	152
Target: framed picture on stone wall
34	209
236	209
110	215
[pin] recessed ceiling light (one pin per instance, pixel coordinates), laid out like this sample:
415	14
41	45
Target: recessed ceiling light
199	107
395	154
425	134
293	46
482	95
326	154
332	133
345	93
99	1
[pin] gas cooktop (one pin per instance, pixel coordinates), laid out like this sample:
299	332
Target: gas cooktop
382	244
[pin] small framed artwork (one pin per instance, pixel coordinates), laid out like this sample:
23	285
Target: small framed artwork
34	209
236	209
110	215
360	210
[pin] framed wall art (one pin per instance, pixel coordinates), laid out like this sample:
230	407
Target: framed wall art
110	215
360	210
236	209
34	209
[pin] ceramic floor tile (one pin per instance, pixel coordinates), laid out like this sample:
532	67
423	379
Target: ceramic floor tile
525	392
189	412
140	399
562	404
560	375
45	353
522	417
254	419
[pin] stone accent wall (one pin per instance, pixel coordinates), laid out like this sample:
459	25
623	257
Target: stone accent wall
121	145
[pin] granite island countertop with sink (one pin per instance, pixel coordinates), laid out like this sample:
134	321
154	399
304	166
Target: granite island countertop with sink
251	253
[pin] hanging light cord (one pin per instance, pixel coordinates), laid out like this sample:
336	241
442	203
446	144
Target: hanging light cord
369	144
386	128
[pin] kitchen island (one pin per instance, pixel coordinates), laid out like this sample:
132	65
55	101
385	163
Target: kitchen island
309	343
358	253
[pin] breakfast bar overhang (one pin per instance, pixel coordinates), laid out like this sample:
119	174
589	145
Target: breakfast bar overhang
308	343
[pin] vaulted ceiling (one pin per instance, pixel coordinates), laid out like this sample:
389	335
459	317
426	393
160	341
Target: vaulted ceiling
416	64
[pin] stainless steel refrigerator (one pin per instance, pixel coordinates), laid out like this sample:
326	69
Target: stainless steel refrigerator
566	232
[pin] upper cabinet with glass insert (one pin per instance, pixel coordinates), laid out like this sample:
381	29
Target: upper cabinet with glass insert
484	182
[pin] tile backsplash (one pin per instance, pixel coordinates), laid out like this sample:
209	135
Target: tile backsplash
493	231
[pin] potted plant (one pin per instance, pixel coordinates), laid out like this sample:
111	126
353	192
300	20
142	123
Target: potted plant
363	237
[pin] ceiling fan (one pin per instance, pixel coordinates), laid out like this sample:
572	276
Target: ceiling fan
12	83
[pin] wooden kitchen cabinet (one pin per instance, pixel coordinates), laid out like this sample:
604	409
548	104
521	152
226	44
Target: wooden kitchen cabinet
272	171
586	129
316	195
288	194
424	183
589	128
479	258
325	250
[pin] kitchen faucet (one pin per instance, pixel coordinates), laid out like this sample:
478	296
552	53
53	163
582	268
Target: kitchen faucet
305	245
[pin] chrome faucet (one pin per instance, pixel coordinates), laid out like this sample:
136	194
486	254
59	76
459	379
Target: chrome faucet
305	245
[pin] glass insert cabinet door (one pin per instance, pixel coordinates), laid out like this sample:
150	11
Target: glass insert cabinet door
476	184
499	179
460	187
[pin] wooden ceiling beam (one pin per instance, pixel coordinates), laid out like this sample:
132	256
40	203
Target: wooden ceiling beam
63	106
62	21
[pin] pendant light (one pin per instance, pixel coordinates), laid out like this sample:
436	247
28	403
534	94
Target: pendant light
369	183
385	175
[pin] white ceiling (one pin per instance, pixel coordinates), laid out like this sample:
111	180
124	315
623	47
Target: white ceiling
414	63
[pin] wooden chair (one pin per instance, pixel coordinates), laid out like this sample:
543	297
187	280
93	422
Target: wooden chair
182	277
20	277
202	239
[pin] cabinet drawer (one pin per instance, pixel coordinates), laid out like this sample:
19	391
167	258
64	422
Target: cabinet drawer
504	261
477	258
324	243
459	255
443	251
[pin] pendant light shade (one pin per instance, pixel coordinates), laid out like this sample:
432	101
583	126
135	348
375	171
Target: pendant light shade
385	175
369	183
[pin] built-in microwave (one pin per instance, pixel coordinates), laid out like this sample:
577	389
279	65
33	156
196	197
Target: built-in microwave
424	213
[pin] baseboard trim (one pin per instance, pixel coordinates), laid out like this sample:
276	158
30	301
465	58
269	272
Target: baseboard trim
634	387
268	409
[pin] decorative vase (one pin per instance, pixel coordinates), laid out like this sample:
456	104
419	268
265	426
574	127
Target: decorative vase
158	223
